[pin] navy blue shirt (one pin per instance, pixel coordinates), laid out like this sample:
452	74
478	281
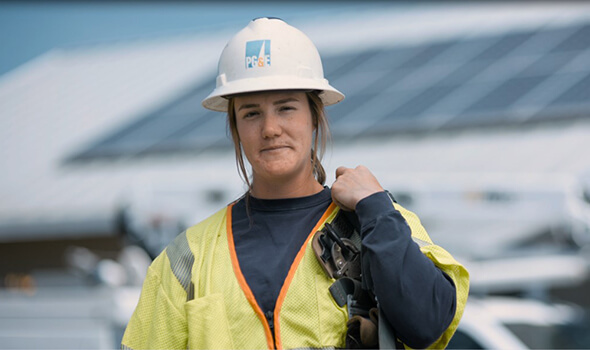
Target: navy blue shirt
268	241
416	297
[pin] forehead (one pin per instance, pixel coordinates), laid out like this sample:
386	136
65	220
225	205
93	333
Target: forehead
269	96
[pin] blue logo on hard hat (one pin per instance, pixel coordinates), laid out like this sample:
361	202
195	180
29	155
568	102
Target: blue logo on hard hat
257	53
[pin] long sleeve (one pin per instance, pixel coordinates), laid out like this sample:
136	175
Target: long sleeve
419	288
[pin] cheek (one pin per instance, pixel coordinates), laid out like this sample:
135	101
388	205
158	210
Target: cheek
245	140
244	132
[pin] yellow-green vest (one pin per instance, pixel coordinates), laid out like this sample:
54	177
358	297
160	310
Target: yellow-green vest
196	297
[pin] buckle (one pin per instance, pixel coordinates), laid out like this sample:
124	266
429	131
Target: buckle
339	257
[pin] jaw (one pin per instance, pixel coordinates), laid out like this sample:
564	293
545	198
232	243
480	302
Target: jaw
281	166
273	168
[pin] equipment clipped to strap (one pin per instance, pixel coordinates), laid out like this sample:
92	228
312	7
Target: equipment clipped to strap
338	249
362	311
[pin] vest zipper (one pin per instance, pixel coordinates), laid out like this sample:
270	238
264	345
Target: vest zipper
270	319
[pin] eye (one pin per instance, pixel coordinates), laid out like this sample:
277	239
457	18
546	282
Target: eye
286	108
250	114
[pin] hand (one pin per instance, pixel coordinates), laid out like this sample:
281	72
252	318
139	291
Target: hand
353	185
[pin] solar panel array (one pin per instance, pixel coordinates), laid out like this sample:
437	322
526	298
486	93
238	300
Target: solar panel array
508	80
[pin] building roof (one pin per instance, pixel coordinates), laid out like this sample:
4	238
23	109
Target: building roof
444	92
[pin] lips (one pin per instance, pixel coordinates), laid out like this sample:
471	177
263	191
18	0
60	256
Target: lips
274	148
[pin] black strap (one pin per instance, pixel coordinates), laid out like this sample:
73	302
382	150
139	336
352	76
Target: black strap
341	239
342	288
348	291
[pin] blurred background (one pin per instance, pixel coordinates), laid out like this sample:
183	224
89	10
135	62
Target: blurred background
476	116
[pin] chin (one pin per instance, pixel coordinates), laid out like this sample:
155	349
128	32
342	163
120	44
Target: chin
279	171
280	168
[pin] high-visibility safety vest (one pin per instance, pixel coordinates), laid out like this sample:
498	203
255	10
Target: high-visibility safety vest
195	296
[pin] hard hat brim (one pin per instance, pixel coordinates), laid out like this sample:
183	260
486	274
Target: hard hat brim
217	100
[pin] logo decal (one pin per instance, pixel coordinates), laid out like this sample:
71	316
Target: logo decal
257	53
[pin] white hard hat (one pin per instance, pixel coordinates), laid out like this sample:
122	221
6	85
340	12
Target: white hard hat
269	54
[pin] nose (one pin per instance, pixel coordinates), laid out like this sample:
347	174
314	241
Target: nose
271	126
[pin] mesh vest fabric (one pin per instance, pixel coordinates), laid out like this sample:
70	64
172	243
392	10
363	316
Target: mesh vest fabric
215	309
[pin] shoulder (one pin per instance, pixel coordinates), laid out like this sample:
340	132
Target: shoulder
177	259
209	224
182	248
204	231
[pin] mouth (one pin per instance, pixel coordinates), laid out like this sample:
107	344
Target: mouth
273	148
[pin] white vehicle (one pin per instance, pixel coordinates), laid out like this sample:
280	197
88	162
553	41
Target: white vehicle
513	323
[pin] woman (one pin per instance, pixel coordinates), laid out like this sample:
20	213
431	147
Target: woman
247	277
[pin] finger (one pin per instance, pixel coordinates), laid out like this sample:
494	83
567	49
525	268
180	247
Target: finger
341	170
342	206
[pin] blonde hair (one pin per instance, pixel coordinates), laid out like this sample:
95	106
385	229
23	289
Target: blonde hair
321	137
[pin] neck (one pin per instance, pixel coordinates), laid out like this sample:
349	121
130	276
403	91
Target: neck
279	188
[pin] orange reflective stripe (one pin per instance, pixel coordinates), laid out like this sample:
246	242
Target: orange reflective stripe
242	281
292	271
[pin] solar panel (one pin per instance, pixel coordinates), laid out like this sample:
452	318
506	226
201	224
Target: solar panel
535	103
393	80
343	64
146	132
201	133
427	53
577	94
507	78
465	73
549	64
387	59
189	104
504	95
504	46
577	41
359	82
347	108
458	99
416	105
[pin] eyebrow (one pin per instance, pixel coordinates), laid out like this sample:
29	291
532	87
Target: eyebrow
285	100
253	105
